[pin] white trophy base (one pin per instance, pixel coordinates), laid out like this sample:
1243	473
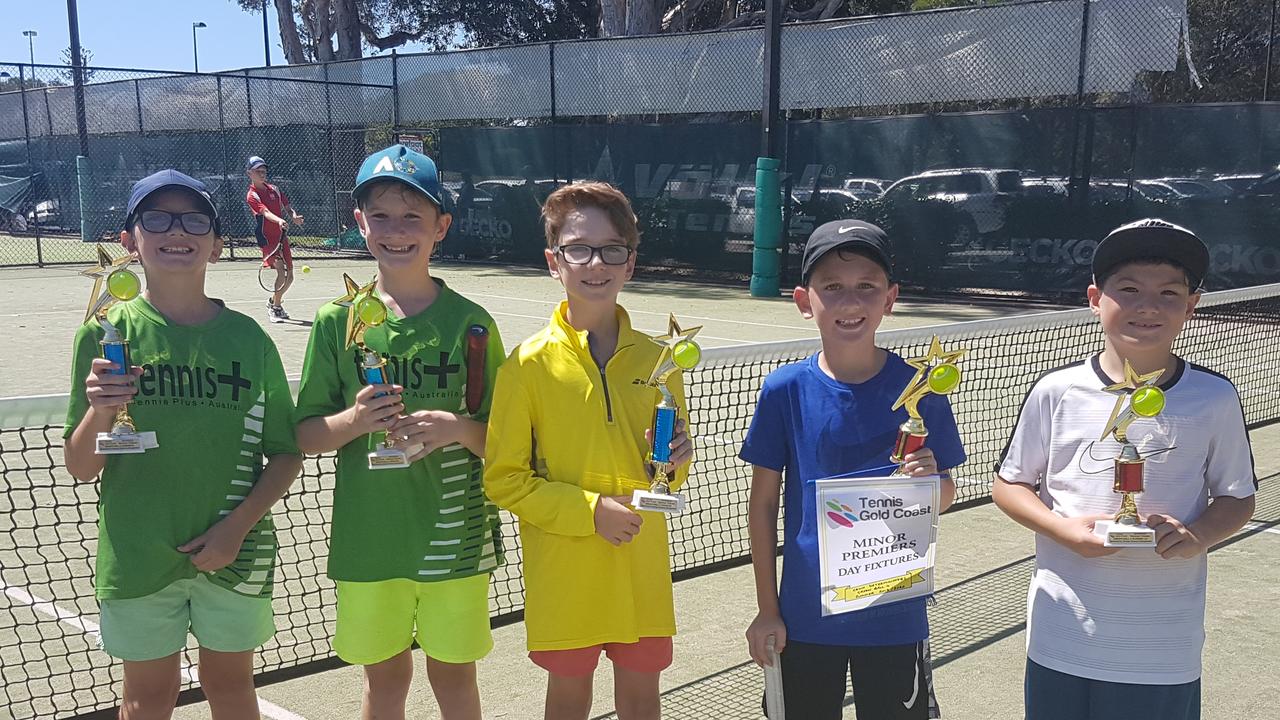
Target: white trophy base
126	443
669	503
385	458
1120	535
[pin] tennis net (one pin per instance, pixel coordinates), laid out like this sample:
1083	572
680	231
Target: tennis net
50	666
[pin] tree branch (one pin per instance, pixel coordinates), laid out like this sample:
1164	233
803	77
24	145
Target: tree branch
822	11
395	39
683	10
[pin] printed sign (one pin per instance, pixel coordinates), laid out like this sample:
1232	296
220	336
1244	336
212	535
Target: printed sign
875	540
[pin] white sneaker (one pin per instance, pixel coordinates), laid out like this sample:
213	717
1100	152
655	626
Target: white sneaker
275	313
280	313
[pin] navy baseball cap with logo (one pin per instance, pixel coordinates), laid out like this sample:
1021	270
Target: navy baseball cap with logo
254	162
851	234
400	163
164	180
1152	239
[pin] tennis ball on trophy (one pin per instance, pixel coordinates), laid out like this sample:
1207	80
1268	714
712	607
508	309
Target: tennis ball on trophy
123	285
1147	401
944	378
371	311
686	355
306	269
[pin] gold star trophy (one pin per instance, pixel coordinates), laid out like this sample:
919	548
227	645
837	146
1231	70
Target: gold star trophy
936	373
679	353
366	310
114	282
1146	401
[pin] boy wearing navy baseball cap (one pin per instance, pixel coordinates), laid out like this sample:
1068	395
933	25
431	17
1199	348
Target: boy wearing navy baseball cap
412	548
1092	607
831	415
186	542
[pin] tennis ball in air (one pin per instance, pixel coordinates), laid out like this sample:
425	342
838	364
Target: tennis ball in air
123	285
944	378
1147	401
686	355
306	269
371	311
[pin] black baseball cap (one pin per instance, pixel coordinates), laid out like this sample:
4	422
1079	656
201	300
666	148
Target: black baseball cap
164	180
850	234
1152	238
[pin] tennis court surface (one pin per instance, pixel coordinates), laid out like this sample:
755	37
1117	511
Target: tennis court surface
50	667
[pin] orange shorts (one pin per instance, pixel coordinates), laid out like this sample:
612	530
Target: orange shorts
647	655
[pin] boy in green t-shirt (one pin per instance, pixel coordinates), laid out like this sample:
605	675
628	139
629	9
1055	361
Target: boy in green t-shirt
185	538
411	548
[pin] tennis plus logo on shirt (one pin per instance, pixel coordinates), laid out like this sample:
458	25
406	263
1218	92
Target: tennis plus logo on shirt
422	376
165	382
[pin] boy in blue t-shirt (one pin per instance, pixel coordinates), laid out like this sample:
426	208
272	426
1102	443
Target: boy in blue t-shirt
829	416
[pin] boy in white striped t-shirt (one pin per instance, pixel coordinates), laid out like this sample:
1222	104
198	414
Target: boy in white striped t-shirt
1117	633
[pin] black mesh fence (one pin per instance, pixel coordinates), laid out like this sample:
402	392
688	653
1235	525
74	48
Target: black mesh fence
63	194
997	143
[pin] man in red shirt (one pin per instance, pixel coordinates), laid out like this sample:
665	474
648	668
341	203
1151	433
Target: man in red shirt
269	206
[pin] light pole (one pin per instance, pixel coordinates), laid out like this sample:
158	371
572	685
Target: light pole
195	48
31	45
266	40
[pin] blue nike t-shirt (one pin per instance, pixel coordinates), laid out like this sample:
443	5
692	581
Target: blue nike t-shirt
810	426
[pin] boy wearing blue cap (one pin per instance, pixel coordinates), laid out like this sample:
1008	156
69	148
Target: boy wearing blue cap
185	537
411	548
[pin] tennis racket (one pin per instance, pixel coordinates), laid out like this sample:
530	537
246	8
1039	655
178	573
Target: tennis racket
477	349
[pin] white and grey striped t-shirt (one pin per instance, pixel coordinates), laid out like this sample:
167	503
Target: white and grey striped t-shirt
1132	616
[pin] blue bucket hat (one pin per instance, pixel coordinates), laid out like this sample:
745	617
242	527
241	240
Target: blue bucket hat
400	163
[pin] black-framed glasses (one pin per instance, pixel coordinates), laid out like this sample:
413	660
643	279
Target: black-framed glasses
583	254
159	221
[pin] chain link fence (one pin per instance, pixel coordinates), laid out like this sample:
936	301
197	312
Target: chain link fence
998	143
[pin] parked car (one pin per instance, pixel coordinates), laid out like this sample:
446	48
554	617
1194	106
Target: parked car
982	196
865	187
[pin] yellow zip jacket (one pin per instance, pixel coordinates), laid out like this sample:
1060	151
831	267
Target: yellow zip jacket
561	434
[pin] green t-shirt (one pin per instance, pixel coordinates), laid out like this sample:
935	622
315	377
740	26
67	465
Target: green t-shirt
429	521
216	397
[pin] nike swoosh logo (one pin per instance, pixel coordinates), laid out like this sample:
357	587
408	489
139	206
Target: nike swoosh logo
844	230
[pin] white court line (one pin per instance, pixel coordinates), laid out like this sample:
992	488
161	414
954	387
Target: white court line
1259	527
46	607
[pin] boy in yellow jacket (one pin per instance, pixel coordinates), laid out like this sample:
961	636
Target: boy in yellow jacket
596	573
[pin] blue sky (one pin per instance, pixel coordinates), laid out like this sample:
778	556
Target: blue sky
151	34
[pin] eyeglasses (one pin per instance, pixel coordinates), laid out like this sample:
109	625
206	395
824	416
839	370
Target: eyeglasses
583	254
159	221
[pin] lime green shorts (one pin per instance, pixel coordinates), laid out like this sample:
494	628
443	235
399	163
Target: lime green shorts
156	625
379	620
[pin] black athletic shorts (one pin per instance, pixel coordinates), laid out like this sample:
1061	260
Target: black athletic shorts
892	682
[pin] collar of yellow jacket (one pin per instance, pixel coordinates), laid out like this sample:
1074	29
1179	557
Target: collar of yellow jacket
577	339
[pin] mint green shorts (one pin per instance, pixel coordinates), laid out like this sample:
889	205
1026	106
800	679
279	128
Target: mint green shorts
379	620
156	625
